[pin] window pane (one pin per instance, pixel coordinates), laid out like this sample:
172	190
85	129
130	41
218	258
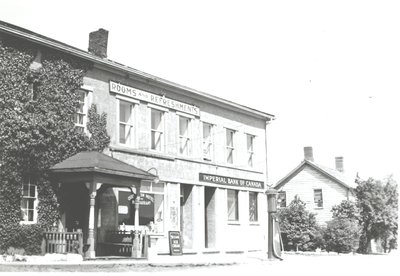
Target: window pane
122	139
25	215
183	126
25	190
156	119
253	212
229	138
206	131
318	198
145	187
230	156
250	143
233	210
156	140
32	191
158	187
24	203
184	143
30	203
30	215
282	199
125	112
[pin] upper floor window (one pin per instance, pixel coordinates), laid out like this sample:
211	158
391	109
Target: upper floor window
282	199
157	129
29	201
82	111
250	150
318	200
126	126
233	205
207	142
253	207
184	135
230	146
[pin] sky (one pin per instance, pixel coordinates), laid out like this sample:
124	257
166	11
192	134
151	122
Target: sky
328	70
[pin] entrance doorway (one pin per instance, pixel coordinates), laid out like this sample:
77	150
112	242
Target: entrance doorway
209	217
186	217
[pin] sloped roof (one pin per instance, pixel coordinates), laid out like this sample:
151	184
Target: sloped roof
93	161
331	174
107	63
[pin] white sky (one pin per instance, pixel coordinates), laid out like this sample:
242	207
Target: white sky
328	70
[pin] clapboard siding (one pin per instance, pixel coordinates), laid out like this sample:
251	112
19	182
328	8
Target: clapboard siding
303	185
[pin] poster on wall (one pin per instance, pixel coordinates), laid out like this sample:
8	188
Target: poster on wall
175	243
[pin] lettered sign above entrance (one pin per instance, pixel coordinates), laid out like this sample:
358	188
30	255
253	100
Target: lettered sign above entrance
230	181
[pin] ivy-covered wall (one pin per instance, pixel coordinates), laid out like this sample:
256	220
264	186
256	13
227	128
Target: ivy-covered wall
38	100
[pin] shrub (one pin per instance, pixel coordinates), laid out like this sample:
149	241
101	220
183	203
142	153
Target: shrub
299	227
342	235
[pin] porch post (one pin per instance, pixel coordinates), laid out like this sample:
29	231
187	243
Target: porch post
136	248
91	253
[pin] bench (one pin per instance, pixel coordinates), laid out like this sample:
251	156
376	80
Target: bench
120	243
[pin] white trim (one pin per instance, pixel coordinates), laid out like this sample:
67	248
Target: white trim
126	99
185	115
87	87
149	105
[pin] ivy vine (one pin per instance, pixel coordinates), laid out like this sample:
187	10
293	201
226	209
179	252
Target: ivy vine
37	130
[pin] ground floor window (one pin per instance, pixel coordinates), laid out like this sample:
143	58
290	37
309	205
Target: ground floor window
151	208
233	205
29	200
253	207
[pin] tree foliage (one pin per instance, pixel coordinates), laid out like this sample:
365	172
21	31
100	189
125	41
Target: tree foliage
298	226
346	210
37	108
378	204
342	235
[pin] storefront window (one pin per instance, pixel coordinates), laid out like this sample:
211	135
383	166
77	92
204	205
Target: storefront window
207	142
125	123
233	205
29	201
151	208
157	129
184	135
253	207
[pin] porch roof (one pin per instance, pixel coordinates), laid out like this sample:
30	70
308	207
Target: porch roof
96	162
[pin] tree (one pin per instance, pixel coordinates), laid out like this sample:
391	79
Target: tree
378	204
342	235
346	210
298	226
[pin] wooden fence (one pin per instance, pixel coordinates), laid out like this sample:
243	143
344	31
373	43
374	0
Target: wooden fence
63	242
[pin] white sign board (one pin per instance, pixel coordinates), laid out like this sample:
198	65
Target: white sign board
153	98
122	209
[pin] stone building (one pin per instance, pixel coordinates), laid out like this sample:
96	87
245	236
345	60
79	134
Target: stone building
197	161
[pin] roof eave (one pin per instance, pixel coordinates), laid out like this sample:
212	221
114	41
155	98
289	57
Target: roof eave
114	65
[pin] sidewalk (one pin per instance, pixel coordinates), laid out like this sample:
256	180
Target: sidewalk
190	260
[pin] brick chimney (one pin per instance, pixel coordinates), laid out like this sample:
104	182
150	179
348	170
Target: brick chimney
308	154
339	164
98	43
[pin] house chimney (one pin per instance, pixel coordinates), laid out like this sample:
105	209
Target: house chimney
308	154
98	43
339	164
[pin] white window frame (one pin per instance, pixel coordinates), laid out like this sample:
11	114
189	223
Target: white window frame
250	152
131	124
316	204
256	208
161	129
208	143
188	137
230	148
237	214
84	112
30	182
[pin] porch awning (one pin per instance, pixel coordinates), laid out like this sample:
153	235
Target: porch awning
98	167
